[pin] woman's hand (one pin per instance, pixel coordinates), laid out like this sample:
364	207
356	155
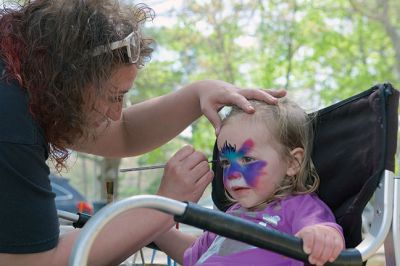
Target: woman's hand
322	242
186	175
215	94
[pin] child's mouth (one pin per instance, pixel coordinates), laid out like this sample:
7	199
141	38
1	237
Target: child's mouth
239	189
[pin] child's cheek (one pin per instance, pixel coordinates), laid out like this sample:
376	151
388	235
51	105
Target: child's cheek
253	172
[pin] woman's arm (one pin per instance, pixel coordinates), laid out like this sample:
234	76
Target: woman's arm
152	123
122	237
174	243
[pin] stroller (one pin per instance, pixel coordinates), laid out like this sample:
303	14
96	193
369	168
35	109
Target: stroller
354	154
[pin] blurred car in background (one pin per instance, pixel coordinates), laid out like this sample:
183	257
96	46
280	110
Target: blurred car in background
68	198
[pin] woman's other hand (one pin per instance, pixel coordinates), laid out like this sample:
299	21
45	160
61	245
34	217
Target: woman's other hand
186	175
215	94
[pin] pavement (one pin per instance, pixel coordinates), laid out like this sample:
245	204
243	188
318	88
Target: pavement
378	259
149	257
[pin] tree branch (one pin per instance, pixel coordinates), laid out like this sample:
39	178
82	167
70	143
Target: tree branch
367	13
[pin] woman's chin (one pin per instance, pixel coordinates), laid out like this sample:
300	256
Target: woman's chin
99	124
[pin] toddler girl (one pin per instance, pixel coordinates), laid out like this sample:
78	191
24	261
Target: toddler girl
269	175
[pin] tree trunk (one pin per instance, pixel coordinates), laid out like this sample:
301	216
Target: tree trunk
383	17
109	176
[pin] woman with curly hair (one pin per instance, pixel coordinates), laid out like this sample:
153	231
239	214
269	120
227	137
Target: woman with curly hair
65	68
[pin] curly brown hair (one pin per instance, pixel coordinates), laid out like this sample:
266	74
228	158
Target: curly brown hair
45	45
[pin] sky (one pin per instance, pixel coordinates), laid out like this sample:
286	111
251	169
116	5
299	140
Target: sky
160	7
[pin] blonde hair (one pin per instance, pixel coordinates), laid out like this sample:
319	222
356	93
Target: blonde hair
292	128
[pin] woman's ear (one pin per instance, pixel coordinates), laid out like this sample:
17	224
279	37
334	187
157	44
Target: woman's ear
296	158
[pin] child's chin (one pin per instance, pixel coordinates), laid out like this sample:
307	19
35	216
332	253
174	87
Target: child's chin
246	205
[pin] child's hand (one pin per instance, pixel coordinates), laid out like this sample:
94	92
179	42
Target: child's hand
323	243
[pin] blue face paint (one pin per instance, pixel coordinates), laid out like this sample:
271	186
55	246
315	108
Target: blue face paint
250	171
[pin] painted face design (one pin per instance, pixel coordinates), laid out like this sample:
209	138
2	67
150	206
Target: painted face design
238	168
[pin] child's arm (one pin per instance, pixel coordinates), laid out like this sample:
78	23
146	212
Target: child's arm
323	242
174	243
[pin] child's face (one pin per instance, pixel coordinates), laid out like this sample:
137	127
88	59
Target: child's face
252	164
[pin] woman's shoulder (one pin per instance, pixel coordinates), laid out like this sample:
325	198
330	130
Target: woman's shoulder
17	123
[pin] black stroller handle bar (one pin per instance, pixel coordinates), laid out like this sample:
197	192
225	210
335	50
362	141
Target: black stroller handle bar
208	219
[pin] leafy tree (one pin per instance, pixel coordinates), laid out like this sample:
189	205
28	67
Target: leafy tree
321	51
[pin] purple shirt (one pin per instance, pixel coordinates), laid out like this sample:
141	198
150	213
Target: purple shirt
288	215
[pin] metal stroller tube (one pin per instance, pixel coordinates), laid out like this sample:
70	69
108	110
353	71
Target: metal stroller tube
204	218
396	220
80	252
383	216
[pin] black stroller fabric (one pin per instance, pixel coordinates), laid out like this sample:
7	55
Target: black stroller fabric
355	141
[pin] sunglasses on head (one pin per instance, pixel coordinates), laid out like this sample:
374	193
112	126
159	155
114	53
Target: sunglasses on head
130	42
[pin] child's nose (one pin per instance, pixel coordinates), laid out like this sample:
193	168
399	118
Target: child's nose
234	175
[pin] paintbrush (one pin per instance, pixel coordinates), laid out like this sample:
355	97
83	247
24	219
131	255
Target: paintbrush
150	167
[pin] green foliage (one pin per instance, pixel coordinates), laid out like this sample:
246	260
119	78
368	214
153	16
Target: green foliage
203	137
152	188
323	50
326	49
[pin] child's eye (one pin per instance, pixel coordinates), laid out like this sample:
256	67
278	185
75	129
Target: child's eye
224	163
246	160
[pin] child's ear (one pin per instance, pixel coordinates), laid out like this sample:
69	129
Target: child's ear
296	158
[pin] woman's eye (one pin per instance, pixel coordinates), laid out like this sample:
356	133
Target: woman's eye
246	160
116	99
224	163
